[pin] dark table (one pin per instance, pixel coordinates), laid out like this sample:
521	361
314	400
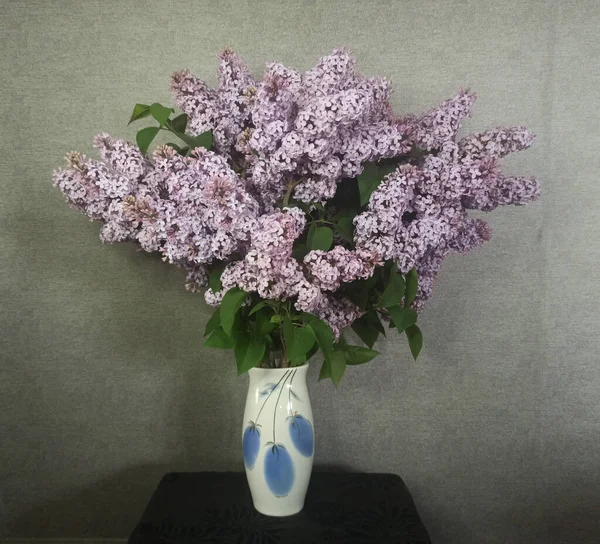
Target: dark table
340	507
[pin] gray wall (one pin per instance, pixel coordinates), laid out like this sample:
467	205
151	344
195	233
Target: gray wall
104	382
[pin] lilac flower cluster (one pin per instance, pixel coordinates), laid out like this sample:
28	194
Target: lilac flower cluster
296	136
418	214
193	210
269	269
312	129
224	111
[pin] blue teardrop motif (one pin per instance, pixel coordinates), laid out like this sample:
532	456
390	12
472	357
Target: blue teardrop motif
279	470
301	433
251	445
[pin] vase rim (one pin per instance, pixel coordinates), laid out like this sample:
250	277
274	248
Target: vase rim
259	369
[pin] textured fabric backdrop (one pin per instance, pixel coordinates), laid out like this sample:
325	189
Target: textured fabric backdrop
104	382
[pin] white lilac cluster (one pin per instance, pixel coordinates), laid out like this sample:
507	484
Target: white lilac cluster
297	135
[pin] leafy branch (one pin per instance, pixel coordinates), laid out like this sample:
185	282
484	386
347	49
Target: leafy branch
176	126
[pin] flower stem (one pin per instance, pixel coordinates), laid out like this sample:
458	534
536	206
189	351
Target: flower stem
288	193
283	348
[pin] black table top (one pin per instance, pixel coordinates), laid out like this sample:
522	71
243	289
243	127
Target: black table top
340	507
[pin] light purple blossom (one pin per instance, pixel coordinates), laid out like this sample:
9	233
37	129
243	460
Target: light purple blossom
441	124
497	142
193	210
268	267
328	270
300	134
224	110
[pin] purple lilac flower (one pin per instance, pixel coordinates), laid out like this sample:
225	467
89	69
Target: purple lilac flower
300	134
193	210
330	269
419	213
268	267
441	124
497	142
224	110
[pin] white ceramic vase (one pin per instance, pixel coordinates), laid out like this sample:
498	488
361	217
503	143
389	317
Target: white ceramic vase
278	439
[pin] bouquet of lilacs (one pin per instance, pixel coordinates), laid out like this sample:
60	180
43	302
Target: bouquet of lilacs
301	204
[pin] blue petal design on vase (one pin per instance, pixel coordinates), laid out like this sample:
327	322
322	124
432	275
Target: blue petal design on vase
279	470
301	433
251	445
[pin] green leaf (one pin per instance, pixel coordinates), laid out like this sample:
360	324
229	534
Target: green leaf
219	339
341	343
254	354
357	355
412	285
365	331
345	228
338	366
403	318
213	322
203	140
359	291
179	124
377	323
385	169
368	181
160	113
372	320
145	136
139	112
263	324
415	340
410	317
360	297
260	306
304	340
288	332
325	370
319	238
394	290
306	317
240	349
240	327
299	252
276	318
180	150
312	351
345	213
371	178
323	335
214	278
231	303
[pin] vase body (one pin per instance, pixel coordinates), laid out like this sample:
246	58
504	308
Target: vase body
278	439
